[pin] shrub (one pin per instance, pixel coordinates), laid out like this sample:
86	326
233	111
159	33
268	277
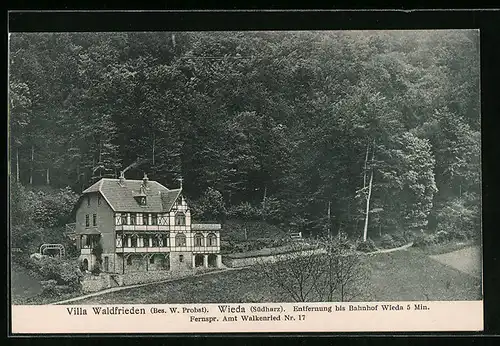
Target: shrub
245	211
61	271
459	218
49	288
96	269
423	240
443	236
366	246
387	241
399	239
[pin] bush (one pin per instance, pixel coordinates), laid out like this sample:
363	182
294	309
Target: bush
460	219
49	288
387	242
62	272
96	269
366	246
399	239
443	236
424	240
244	211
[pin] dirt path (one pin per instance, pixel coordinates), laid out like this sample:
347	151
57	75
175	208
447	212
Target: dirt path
467	260
121	288
404	247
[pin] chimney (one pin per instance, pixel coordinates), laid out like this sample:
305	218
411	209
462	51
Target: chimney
145	180
122	178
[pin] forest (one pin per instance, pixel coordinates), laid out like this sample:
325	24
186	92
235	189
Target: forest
364	132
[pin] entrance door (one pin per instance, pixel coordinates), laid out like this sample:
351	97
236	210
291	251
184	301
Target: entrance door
85	265
106	264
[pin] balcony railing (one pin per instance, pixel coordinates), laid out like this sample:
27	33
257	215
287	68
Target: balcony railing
86	251
143	228
196	249
142	249
206	226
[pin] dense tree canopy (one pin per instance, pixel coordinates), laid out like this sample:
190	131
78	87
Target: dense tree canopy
290	124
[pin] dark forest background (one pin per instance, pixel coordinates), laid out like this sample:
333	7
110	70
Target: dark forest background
285	127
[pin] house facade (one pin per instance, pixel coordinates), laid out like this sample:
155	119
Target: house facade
140	225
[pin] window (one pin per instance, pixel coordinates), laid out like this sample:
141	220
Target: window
99	199
165	238
88	200
133	241
94	219
124	219
129	260
198	239
181	258
180	240
145	219
119	242
132	218
212	239
154	219
142	201
152	260
156	241
180	219
87	220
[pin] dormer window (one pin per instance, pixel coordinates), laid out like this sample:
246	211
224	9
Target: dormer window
140	196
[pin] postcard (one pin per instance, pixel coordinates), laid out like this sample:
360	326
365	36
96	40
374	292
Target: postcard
245	181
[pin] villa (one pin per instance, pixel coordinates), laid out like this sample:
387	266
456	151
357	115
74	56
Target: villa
128	226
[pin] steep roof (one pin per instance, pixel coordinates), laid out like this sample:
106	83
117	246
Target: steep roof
120	196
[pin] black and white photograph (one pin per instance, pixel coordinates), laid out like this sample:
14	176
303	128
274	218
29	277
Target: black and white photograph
235	167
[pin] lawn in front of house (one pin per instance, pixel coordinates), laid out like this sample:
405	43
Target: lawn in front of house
407	275
23	283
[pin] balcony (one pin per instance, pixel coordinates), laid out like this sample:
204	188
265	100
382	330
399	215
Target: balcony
206	226
86	251
143	228
205	249
142	249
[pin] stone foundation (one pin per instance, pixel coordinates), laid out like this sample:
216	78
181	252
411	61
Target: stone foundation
93	283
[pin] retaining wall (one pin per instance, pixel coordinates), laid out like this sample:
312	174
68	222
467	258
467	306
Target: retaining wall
249	261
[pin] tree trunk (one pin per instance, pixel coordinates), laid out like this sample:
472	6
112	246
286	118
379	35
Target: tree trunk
365	230
264	204
153	161
31	164
366	163
329	218
17	165
48	176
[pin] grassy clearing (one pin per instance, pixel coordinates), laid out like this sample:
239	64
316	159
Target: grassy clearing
440	249
24	284
397	276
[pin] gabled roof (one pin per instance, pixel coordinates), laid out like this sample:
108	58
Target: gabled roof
121	196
